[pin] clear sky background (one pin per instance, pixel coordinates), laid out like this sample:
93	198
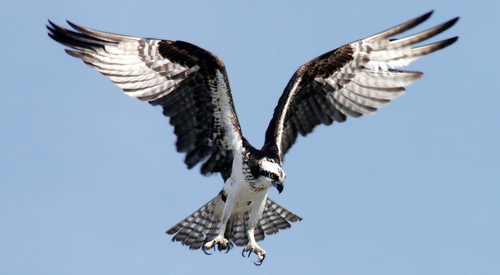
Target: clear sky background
90	179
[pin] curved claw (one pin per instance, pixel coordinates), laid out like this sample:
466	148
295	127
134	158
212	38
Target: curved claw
227	250
205	251
243	253
259	263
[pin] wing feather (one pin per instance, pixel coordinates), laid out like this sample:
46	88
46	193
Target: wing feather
353	80
190	84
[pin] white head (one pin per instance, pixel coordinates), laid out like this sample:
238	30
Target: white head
271	173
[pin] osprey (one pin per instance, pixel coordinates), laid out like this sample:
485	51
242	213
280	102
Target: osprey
192	86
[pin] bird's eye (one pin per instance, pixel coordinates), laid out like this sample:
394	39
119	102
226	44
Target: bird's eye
274	176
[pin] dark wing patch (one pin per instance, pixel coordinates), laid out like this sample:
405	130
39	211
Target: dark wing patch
189	82
351	81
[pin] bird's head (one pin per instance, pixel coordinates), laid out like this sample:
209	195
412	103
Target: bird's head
270	172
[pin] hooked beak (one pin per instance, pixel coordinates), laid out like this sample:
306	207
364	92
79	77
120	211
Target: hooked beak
279	185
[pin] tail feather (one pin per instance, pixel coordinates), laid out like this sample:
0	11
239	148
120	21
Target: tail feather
275	217
199	227
203	225
236	230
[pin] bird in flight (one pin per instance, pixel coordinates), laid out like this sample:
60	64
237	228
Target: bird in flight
192	86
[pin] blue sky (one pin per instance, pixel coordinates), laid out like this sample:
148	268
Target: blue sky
90	180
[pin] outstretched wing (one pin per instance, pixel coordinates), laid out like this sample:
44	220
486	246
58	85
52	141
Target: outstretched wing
353	80
189	82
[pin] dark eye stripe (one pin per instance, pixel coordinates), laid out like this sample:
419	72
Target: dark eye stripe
270	175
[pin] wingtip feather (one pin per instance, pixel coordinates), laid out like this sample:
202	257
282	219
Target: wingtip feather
401	27
74	26
427	49
73	53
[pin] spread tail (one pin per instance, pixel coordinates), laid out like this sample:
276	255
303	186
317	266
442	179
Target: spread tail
203	225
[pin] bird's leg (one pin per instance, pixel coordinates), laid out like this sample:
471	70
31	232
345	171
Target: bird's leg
253	247
255	216
226	213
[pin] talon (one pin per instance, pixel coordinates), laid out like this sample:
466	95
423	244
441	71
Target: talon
205	251
259	262
219	241
221	247
243	253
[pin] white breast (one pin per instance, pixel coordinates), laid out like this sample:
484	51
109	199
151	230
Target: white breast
238	188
